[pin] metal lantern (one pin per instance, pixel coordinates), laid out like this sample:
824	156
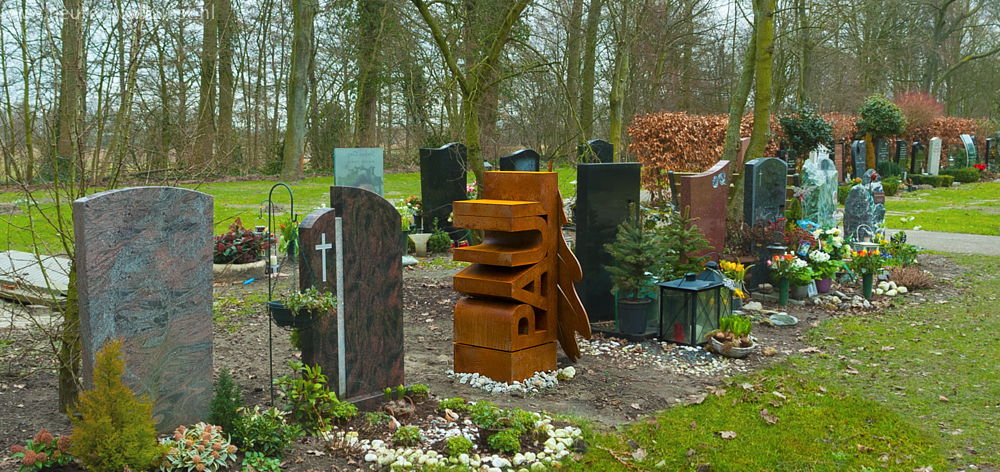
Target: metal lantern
690	307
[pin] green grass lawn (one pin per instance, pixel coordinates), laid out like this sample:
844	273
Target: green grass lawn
913	387
970	208
244	199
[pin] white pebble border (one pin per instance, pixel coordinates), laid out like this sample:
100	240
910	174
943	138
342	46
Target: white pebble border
534	384
664	356
379	455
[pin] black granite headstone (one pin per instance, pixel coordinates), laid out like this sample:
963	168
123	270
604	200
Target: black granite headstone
900	151
917	157
858	162
764	190
881	150
604	194
442	181
597	150
523	160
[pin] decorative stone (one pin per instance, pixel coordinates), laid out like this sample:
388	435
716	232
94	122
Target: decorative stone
442	181
704	197
144	274
605	196
524	160
764	190
359	167
373	295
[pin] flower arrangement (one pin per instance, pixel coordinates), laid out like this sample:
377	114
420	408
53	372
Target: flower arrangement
866	262
415	205
831	241
822	264
240	245
981	167
289	234
898	251
470	191
735	273
789	267
200	447
42	452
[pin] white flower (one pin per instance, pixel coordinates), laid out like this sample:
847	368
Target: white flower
799	263
819	256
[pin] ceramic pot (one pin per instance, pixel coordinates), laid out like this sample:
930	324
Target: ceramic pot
800	292
731	351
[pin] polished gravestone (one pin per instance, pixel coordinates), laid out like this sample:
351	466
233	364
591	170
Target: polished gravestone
901	151
144	275
881	151
605	194
596	151
359	167
442	181
934	156
918	157
373	292
524	160
704	197
971	154
858	163
992	154
764	190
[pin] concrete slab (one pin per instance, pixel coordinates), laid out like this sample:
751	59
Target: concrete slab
953	242
33	278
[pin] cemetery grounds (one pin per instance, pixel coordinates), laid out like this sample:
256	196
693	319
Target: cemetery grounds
909	384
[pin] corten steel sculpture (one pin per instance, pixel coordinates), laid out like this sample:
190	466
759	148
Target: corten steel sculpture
520	290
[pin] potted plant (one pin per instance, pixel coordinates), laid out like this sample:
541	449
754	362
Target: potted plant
735	274
289	238
300	308
732	339
416	207
789	271
635	256
823	267
867	263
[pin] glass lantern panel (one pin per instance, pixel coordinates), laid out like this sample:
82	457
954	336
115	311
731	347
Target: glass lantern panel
675	317
707	313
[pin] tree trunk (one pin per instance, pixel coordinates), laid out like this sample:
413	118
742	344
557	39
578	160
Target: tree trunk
588	72
616	98
69	346
737	107
303	26
204	143
226	141
70	90
371	19
573	40
764	21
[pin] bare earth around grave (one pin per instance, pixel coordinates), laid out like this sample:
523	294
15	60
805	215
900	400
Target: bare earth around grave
612	388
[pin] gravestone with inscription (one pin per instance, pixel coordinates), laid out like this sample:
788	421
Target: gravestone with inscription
372	292
442	181
605	194
918	157
971	154
144	275
597	150
934	156
858	163
881	150
704	197
359	167
524	160
820	183
992	154
764	190
864	210
900	156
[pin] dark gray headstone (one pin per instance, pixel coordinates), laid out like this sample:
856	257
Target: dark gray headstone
604	195
917	157
864	210
900	151
442	181
597	150
881	150
765	180
144	275
373	291
858	162
524	160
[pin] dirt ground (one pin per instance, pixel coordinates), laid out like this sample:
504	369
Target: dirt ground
608	389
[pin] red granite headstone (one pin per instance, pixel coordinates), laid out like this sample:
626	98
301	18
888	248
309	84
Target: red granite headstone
704	197
838	160
741	156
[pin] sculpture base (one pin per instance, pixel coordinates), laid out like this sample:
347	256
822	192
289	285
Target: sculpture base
505	366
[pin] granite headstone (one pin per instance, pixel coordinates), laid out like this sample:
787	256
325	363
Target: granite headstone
144	275
971	154
901	151
881	151
918	157
373	292
741	155
838	158
934	156
605	193
442	181
704	197
858	163
990	158
523	160
597	150
359	167
764	190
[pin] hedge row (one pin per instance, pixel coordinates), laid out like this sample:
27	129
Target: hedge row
934	180
964	175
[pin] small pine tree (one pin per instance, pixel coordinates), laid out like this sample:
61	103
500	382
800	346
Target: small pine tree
635	252
226	403
681	241
115	430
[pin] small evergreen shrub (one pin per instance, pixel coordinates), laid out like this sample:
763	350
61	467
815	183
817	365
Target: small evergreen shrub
257	462
264	431
439	241
507	441
309	402
891	186
226	402
458	445
964	175
115	430
456	404
681	240
635	251
43	451
805	130
880	117
888	169
200	447
407	436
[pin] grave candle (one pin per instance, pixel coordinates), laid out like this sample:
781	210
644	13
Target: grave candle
274	260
